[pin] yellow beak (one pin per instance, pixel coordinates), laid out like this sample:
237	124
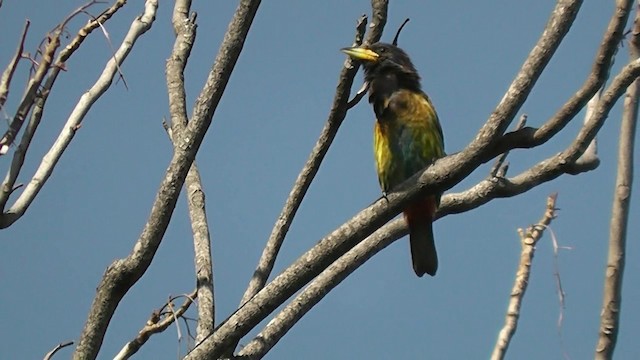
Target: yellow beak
361	53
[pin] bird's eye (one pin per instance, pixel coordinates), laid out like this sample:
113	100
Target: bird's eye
382	50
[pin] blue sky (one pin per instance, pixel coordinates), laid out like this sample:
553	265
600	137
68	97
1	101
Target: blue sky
94	206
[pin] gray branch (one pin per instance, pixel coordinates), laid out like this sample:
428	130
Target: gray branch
612	294
122	274
310	169
185	28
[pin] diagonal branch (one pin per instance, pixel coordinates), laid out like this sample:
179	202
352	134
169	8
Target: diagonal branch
308	173
122	274
331	277
530	137
562	17
528	239
7	74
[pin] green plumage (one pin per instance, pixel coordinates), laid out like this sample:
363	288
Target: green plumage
407	138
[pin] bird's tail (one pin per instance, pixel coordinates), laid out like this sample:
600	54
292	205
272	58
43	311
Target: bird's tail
419	217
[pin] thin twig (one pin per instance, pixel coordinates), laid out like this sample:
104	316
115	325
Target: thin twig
612	296
111	48
528	239
53	351
499	168
358	96
158	322
559	288
7	75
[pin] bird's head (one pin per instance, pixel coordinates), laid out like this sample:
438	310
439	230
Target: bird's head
381	60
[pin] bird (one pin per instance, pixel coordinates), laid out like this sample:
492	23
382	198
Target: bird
407	138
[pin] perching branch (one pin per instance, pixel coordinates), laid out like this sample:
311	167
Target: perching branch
528	239
612	296
336	116
331	277
158	322
122	274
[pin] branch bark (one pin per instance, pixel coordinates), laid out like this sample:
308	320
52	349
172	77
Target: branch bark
336	116
612	295
53	351
159	321
528	239
319	287
122	274
341	105
529	137
8	185
185	27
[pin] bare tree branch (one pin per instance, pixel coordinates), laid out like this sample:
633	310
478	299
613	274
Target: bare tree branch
341	105
310	169
185	28
49	161
528	239
124	273
158	322
612	296
34	83
29	96
203	257
319	287
7	75
530	137
53	351
308	173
